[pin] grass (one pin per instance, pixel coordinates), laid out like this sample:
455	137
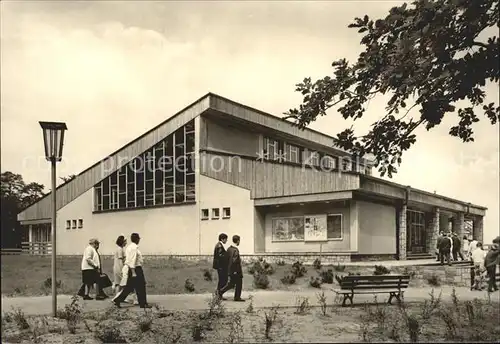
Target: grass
163	275
434	320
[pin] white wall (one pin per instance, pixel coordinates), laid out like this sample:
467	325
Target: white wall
377	228
164	230
217	194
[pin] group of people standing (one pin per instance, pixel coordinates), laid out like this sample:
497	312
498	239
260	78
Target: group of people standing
128	275
449	246
485	265
227	262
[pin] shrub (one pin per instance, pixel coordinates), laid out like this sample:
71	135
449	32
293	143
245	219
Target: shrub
207	275
298	269
280	262
381	270
302	305
109	332
353	274
72	313
315	282
250	308
189	286
261	281
145	323
433	280
322	302
317	264
235	329
261	267
20	319
409	272
215	307
326	276
271	318
339	268
47	284
288	279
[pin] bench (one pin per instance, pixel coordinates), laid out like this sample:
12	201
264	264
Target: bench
393	285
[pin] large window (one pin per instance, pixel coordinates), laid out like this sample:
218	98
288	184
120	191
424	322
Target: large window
334	226
162	175
288	229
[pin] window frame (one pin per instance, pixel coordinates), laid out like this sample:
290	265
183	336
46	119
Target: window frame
341	226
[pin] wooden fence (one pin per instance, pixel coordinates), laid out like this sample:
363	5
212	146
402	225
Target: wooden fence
30	248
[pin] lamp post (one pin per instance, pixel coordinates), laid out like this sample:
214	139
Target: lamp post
53	138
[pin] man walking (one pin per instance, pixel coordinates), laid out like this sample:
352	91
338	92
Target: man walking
444	249
457	247
438	244
220	262
235	270
136	279
490	263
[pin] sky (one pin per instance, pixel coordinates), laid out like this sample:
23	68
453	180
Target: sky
113	70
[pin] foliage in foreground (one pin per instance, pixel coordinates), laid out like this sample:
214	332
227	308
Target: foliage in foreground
430	54
433	320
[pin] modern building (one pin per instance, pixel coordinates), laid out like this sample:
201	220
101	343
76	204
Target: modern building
219	166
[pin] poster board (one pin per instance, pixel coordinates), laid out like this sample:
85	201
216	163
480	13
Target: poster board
315	228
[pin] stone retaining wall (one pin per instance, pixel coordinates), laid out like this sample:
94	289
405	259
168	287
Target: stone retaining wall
458	276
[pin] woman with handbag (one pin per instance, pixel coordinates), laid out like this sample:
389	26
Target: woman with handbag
91	265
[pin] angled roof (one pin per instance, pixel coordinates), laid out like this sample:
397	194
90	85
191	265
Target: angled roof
85	180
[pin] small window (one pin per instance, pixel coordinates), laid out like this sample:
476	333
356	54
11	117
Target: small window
68	224
226	213
74	224
80	223
204	214
215	213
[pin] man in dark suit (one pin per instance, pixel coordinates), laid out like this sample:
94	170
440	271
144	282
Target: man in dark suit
220	262
457	247
235	270
445	249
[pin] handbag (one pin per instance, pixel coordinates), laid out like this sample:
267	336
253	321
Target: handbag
104	281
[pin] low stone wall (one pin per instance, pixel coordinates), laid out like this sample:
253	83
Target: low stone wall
458	275
288	258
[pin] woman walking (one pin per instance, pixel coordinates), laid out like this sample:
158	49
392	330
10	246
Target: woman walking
119	260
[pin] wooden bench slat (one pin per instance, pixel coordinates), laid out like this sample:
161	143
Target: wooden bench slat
375	277
363	287
375	282
368	291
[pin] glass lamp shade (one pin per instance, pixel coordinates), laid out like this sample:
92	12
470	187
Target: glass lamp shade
53	138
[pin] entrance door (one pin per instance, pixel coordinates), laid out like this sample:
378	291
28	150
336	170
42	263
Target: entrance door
416	233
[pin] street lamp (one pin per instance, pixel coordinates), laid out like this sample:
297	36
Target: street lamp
53	138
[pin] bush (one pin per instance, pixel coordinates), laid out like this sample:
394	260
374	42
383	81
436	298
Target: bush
317	264
433	280
298	269
339	268
280	262
207	275
409	272
260	281
381	270
72	313
109	332
189	286
261	267
288	279
315	282
326	276
47	284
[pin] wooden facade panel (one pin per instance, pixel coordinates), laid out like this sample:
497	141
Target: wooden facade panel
384	189
87	179
265	179
254	116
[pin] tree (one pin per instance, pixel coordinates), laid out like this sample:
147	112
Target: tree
15	195
429	54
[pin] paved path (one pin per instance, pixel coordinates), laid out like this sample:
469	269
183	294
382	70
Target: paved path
41	305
